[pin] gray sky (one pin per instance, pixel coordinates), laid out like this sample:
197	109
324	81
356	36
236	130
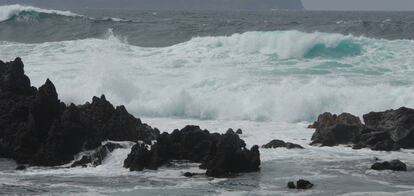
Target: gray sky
359	4
389	5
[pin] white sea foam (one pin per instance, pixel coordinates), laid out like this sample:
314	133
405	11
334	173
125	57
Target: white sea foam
249	76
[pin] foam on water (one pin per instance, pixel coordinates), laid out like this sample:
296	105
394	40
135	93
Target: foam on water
244	76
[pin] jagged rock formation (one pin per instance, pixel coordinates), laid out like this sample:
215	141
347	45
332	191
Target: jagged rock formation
333	130
36	128
388	130
221	155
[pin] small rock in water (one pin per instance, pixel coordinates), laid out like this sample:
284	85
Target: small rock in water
281	144
291	185
394	165
239	131
190	174
303	184
300	184
21	167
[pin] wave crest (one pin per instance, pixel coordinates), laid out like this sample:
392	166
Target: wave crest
232	78
11	11
284	44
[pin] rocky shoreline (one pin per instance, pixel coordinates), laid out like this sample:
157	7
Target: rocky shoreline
222	155
390	130
37	129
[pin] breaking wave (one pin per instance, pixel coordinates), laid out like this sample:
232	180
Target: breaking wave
8	12
27	13
278	76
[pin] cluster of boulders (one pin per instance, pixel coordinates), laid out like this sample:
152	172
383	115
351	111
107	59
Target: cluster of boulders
389	130
36	128
222	155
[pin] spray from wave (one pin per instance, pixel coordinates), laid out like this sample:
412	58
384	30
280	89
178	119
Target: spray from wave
280	76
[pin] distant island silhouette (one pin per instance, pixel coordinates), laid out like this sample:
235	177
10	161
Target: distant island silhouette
167	4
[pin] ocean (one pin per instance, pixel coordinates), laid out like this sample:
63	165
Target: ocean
270	73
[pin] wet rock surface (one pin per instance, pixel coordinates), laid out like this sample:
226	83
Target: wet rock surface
387	131
99	154
281	144
332	130
394	165
303	184
239	131
291	185
21	167
222	155
300	184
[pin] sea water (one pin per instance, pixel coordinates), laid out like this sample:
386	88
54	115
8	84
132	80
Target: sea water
269	73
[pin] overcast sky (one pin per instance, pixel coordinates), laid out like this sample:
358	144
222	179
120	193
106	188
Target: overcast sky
359	4
387	5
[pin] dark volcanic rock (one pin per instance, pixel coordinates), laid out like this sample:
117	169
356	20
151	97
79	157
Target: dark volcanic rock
13	80
190	174
281	144
221	155
300	184
37	128
332	130
291	185
21	167
239	131
389	130
395	165
230	156
303	184
376	140
140	158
